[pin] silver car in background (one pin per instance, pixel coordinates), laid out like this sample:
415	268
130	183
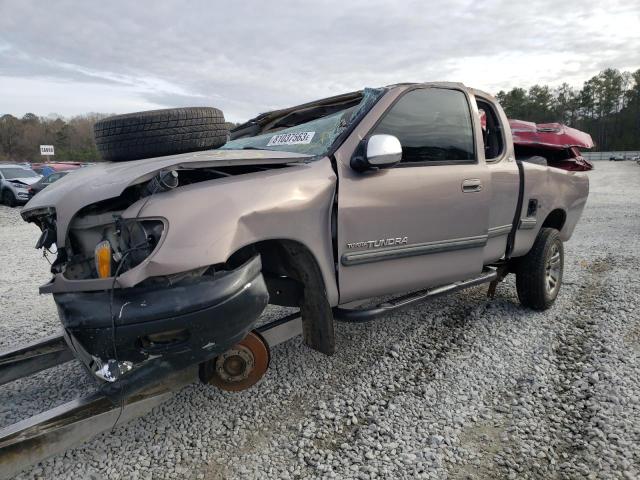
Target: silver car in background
15	180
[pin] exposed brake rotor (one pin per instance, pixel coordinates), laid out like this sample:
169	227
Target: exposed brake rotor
240	367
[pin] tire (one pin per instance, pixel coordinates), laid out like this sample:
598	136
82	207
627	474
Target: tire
8	198
158	133
537	269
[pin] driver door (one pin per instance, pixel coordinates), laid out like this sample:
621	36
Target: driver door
423	222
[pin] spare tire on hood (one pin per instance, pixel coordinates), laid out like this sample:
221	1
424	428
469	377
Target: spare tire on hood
158	133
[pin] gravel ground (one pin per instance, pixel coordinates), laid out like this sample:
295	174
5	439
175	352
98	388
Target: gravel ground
462	388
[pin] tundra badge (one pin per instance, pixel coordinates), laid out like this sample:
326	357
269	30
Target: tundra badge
383	242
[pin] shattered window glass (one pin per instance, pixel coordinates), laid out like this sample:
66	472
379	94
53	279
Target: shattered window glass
314	137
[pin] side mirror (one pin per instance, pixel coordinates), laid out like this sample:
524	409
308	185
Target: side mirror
381	151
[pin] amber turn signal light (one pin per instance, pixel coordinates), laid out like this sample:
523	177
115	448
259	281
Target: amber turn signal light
102	256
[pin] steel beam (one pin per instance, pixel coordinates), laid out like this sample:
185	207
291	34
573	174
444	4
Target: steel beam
54	431
34	357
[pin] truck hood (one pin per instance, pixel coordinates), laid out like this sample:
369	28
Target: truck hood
107	180
548	135
556	142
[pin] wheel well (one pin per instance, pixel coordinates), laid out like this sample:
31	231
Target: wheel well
294	279
281	258
555	219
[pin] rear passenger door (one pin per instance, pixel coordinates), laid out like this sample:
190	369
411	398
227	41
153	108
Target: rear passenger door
424	222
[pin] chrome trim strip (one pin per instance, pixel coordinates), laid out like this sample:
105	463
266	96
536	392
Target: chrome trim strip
527	223
390	253
498	231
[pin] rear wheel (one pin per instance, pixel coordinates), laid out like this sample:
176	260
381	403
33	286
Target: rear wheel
539	272
8	198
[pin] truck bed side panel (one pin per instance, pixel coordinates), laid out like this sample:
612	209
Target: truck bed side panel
553	189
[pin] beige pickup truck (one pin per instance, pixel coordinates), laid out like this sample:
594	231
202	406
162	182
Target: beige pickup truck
168	253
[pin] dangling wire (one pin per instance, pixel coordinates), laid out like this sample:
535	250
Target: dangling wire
113	335
111	293
113	324
46	251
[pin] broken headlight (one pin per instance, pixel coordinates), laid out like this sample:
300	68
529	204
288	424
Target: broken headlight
108	245
135	240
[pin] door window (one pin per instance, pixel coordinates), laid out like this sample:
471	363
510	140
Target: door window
433	126
492	136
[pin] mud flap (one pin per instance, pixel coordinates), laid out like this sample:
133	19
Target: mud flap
317	323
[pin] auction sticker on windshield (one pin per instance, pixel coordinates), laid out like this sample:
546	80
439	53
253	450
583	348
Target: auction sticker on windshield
297	138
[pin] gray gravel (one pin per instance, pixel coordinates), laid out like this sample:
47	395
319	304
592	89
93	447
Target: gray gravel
462	388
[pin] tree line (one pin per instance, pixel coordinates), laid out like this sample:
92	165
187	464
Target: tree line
20	138
607	106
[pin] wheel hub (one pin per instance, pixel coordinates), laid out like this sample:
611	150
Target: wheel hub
235	364
240	367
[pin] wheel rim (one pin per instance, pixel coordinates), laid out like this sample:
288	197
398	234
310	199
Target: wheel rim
553	269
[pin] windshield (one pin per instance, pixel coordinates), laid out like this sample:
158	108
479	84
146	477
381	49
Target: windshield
314	137
14	172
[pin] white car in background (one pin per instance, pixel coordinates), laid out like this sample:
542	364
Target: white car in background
15	180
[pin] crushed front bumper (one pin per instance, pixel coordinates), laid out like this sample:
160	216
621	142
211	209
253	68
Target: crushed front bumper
160	329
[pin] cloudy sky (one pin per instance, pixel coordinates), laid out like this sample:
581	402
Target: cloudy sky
246	57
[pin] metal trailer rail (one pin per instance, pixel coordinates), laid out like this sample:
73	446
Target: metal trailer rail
54	431
34	357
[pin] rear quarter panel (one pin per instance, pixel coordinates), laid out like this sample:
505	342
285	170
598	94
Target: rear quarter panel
554	189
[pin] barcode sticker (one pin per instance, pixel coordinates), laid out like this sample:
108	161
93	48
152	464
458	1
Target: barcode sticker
297	138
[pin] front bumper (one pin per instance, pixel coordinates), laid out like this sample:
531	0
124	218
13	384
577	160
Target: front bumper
161	329
22	196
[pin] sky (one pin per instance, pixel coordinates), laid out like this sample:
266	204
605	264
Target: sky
247	57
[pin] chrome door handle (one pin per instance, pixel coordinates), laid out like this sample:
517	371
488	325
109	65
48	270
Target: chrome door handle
471	185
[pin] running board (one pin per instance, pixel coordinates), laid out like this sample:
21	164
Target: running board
358	315
34	357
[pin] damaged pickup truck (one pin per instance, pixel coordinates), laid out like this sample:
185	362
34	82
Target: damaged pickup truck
168	253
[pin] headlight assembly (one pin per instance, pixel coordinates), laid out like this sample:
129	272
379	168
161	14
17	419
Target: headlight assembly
125	245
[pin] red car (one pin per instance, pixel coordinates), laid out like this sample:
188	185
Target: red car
49	168
556	144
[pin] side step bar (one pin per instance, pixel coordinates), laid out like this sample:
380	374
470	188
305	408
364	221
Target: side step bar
357	315
34	357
